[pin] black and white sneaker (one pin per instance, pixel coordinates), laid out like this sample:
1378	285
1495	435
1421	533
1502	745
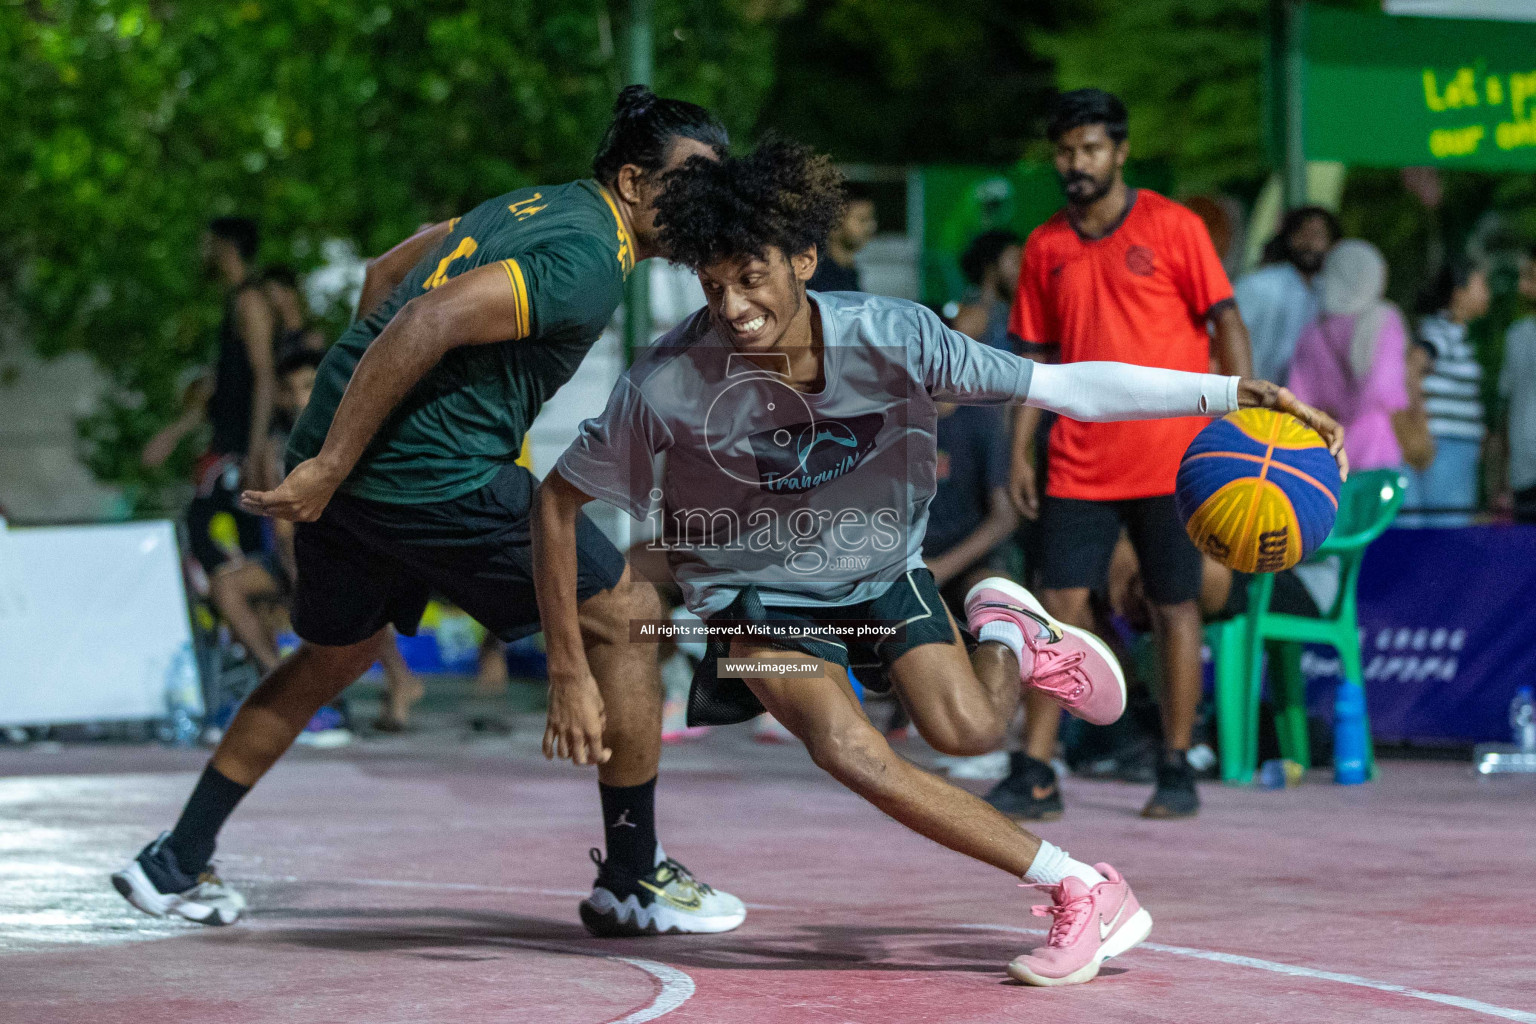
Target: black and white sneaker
667	901
154	883
1030	792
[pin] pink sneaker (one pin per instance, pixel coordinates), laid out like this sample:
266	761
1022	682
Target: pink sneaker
1090	926
1071	665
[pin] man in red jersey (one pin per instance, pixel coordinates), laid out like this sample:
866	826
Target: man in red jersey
1119	274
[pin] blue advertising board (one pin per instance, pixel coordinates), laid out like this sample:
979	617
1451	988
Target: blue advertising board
1448	633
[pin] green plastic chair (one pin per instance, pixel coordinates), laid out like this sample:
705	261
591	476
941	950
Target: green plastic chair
1368	503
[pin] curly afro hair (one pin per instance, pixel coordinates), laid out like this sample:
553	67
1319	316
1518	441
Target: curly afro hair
783	195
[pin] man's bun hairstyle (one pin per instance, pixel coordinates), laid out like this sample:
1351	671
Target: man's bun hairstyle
643	128
783	195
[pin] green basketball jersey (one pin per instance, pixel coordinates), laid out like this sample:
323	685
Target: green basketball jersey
566	254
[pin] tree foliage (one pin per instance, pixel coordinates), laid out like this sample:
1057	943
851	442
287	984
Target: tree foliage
1190	71
130	122
910	81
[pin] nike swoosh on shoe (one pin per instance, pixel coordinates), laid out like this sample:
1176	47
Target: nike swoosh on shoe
1106	927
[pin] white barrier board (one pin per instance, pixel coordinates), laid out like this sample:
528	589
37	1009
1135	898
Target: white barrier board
92	621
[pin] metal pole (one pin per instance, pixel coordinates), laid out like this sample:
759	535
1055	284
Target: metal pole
1294	15
637	294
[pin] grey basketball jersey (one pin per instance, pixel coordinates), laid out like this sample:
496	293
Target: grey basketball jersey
816	498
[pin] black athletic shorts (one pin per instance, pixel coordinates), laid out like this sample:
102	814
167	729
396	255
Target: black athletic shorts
364	564
217	493
912	600
1078	537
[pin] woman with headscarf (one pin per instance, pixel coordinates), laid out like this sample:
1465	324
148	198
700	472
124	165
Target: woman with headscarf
1351	360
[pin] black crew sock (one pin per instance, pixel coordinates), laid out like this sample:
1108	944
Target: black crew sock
629	824
197	830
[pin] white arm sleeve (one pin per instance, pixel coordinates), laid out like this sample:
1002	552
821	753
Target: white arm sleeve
1102	392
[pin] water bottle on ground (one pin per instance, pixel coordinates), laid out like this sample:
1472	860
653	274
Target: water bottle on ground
1519	755
1522	720
1351	742
183	699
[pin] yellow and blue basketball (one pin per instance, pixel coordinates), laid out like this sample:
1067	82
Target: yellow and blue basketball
1258	491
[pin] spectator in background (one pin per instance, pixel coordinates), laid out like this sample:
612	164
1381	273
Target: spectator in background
1351	362
1517	388
240	413
991	265
1457	295
1120	274
280	284
836	270
970	517
1277	301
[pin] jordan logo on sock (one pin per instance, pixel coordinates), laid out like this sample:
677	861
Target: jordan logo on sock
624	821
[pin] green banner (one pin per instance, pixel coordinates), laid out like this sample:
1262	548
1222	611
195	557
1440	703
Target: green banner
1381	91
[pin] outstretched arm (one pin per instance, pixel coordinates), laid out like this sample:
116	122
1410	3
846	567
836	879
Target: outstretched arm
576	717
478	307
1100	392
387	270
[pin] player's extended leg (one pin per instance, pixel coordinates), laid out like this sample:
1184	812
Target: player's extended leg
272	717
171	875
639	890
1096	916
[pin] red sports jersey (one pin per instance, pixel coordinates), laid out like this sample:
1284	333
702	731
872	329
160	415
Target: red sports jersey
1140	294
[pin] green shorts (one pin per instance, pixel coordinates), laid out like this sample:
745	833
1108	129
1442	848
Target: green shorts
912	604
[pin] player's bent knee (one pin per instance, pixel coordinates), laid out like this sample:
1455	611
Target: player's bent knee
964	736
606	617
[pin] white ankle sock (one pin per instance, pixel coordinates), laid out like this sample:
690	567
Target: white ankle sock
1003	632
1052	864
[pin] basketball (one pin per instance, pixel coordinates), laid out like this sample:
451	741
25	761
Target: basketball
1258	490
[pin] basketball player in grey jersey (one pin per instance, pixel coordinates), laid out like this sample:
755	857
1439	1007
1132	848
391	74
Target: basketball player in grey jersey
785	441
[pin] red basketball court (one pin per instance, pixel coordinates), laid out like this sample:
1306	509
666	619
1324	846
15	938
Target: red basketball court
426	879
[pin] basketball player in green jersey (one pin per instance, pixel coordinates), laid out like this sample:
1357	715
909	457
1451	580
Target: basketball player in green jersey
403	482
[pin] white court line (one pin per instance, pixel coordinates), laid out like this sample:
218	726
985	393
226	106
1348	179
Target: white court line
1231	959
1476	1006
393	883
676	989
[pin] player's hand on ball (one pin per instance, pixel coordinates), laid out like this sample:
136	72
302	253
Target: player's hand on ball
300	498
1263	394
576	722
